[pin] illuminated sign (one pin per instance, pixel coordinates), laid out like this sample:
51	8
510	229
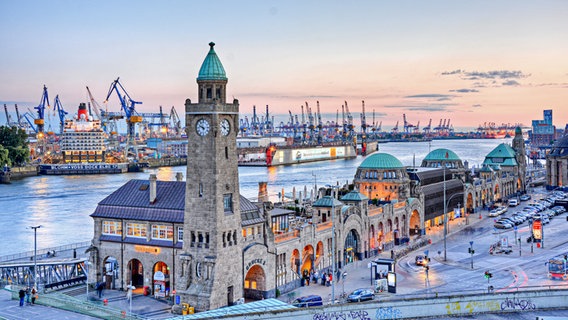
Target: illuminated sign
147	249
537	229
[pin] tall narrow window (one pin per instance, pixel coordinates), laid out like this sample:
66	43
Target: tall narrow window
209	93
226	152
228	203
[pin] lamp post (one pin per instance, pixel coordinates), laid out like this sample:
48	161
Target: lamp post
333	275
35	253
471	251
86	268
445	214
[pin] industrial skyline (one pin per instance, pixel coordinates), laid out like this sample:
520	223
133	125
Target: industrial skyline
472	62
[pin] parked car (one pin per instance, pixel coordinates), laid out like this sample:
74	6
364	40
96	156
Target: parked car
513	202
503	225
308	301
361	295
494	213
525	197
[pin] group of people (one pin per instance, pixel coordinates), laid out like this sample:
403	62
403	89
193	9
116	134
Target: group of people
326	278
27	296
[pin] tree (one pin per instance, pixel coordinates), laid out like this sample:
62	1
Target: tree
4	159
15	141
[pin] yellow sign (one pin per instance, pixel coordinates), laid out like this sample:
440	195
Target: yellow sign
147	249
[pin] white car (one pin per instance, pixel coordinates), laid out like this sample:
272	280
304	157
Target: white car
494	213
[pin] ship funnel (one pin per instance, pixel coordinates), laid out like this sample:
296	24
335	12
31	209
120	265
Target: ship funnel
153	188
82	114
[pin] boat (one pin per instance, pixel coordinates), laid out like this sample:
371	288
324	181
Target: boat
83	149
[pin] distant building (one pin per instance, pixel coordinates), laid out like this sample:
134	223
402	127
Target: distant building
557	164
543	131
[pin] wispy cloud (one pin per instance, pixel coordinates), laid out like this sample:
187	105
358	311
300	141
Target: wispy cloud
427	107
511	83
430	95
465	90
476	106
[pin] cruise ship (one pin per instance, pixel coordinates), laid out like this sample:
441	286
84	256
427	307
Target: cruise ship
83	149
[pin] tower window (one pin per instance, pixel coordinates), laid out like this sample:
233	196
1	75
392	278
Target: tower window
228	203
209	93
218	93
226	152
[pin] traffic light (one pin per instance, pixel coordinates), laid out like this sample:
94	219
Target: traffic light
488	275
470	251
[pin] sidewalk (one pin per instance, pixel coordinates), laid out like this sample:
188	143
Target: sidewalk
359	275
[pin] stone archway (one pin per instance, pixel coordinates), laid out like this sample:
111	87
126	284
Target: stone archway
319	255
372	240
110	273
496	193
415	222
295	261
380	236
351	247
255	283
135	273
307	258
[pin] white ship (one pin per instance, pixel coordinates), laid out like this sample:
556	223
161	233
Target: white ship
83	148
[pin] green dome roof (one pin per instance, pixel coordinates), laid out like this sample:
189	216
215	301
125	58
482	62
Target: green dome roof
381	161
327	201
212	69
442	155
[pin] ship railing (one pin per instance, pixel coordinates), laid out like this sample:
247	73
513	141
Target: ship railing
30	254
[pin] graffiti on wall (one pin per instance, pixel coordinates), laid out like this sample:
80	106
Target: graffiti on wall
341	315
517	304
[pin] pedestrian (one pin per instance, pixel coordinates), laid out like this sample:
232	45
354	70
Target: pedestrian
323	278
129	294
100	287
34	295
74	254
28	295
316	277
330	278
22	295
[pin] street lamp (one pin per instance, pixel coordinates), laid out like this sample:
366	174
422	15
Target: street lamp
471	251
333	275
86	270
35	253
446	213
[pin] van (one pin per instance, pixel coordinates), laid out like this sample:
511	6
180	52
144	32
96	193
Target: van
308	301
513	202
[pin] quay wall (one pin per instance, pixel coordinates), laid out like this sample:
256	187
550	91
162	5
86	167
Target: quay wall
22	172
420	307
166	162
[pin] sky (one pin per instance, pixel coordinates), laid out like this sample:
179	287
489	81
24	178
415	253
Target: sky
468	61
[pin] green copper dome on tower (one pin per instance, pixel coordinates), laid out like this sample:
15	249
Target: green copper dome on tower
381	161
212	69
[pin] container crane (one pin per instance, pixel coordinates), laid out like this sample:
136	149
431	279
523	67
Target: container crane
129	107
319	125
395	129
407	125
363	122
304	133
175	121
9	122
311	125
427	128
61	113
344	122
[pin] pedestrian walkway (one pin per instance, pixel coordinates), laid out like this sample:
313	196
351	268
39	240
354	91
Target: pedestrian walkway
359	275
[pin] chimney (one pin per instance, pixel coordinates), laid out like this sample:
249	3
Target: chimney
179	176
262	192
153	180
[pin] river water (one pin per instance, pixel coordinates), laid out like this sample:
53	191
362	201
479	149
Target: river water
62	204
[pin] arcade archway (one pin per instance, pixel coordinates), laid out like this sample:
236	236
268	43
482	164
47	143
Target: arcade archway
351	247
255	283
110	273
415	222
161	280
135	273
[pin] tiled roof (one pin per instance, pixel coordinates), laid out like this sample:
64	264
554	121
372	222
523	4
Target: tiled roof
327	201
354	196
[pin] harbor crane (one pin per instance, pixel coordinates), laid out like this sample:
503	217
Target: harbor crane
128	106
395	129
9	121
319	124
427	128
350	126
18	117
407	125
61	113
304	133
175	121
363	122
311	125
255	123
39	121
417	128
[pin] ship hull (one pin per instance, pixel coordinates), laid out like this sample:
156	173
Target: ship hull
296	154
83	168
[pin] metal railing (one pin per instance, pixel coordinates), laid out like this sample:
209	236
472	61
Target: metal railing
30	254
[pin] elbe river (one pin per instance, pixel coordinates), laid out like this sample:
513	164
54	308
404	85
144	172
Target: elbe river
62	204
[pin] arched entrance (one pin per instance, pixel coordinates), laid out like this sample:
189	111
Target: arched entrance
295	261
496	194
161	280
319	256
255	283
135	273
350	251
415	222
380	236
110	272
372	242
307	259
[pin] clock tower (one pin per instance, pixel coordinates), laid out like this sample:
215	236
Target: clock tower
210	272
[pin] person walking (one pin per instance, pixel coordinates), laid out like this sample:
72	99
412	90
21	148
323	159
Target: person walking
129	294
22	295
28	296
34	295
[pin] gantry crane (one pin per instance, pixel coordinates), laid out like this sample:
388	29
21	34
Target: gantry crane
319	123
407	125
427	128
129	107
363	122
175	121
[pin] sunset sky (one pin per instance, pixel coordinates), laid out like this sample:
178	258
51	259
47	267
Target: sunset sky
470	61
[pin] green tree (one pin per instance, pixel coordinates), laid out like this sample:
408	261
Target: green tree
4	159
15	141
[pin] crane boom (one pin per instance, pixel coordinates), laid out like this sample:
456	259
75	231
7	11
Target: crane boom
129	107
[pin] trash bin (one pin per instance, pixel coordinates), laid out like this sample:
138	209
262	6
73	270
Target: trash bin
146	290
185	308
178	300
190	310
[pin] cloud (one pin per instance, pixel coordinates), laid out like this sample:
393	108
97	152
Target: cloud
446	73
511	83
443	99
465	90
476	106
430	95
498	74
426	107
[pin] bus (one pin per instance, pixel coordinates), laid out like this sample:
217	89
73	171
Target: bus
558	267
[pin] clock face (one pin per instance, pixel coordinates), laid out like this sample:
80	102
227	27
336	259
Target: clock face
202	127
225	127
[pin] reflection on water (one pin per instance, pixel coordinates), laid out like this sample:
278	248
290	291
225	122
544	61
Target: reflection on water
62	204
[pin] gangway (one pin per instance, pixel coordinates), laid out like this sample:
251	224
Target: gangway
50	273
